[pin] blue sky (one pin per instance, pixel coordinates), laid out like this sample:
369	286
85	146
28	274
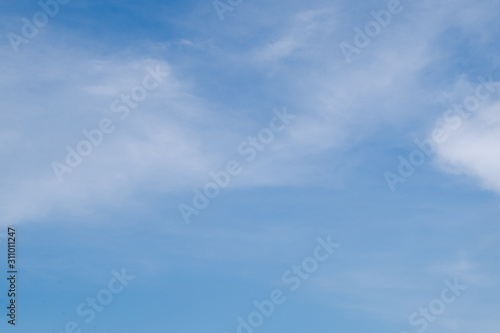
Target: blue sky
325	173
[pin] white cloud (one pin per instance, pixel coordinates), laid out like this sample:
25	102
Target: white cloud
474	150
297	36
52	97
278	49
174	138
